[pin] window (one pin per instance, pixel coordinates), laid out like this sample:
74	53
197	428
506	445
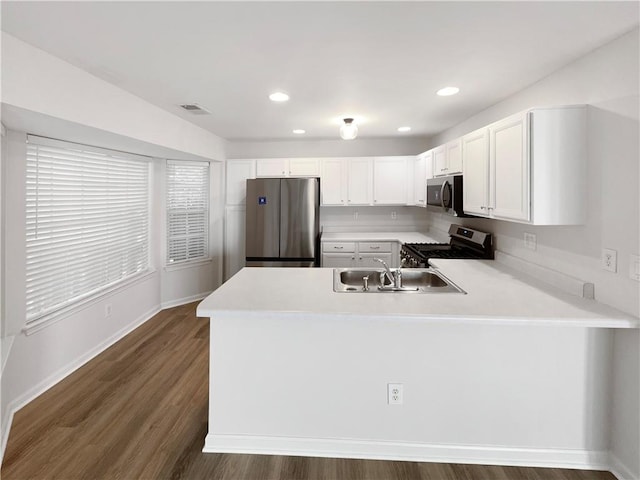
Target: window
187	211
87	222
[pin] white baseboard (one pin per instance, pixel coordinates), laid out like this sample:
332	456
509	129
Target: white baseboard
620	470
417	452
183	301
38	389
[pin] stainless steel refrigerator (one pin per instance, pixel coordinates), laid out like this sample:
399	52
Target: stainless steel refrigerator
283	222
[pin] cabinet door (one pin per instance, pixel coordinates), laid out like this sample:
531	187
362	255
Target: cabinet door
367	260
333	181
428	157
439	161
390	181
238	171
509	168
304	167
272	167
234	233
454	157
360	181
420	181
475	153
338	260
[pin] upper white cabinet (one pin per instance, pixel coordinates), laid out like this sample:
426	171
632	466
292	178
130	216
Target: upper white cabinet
420	166
447	159
238	171
347	181
360	181
475	154
288	167
529	167
390	175
509	168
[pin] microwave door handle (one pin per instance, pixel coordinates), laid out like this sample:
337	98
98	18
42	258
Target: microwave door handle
444	184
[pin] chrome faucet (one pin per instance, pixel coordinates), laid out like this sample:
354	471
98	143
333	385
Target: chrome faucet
392	278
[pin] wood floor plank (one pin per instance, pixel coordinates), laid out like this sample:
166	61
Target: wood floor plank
139	411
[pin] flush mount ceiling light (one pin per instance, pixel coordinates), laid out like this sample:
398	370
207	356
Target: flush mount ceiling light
447	91
404	129
299	131
278	97
348	130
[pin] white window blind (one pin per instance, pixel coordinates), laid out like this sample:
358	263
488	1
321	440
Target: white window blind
187	211
87	222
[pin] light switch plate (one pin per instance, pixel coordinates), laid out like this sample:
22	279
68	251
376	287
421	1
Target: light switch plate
609	260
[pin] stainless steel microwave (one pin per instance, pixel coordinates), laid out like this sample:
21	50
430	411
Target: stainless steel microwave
444	195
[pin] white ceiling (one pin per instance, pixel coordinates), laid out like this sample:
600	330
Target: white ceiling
378	61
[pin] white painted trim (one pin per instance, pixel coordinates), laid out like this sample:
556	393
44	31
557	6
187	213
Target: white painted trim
182	301
65	371
406	451
619	469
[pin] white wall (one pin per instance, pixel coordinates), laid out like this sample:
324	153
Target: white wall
37	81
44	95
606	79
360	147
375	219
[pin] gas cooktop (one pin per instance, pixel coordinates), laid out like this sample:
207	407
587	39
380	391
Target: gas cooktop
463	243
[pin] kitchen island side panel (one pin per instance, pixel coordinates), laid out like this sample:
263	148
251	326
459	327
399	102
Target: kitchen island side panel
284	375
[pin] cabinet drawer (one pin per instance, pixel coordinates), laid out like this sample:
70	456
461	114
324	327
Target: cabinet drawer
339	247
365	247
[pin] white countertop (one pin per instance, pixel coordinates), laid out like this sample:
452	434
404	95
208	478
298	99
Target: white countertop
402	237
495	295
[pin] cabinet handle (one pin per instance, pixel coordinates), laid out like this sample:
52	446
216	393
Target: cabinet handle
360	258
374	248
337	247
482	207
353	258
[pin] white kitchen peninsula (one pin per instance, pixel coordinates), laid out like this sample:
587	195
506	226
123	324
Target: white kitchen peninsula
513	372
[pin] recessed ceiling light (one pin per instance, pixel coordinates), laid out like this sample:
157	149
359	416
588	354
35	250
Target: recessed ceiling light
404	129
278	97
446	91
299	131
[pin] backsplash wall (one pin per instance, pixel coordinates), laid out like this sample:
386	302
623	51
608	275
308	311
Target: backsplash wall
373	218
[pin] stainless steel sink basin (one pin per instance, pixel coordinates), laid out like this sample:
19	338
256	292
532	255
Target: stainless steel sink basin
414	280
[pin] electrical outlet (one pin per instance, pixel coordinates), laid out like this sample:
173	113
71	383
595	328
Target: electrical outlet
107	310
530	240
609	260
634	267
394	394
393	215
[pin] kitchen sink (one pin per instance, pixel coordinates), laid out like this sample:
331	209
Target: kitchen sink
414	280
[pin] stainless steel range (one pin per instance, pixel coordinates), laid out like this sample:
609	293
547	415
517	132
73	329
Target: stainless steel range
463	243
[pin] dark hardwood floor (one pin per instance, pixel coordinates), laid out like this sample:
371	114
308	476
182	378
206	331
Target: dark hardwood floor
139	411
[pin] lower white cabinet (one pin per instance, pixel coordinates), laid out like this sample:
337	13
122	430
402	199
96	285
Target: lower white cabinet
359	254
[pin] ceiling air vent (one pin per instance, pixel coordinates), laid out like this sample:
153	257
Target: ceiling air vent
195	109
